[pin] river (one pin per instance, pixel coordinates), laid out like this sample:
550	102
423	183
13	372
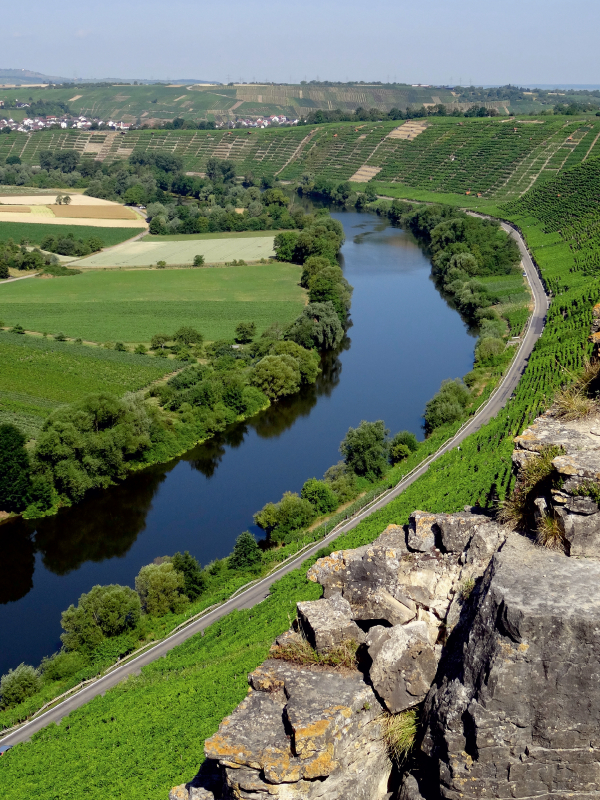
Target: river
404	341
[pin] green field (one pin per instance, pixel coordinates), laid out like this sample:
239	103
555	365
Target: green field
132	305
145	252
34	232
40	374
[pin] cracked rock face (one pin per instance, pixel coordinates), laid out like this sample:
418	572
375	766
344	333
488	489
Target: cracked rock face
516	710
577	469
303	733
328	623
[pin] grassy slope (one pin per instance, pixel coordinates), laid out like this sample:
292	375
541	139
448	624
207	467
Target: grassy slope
132	305
35	232
146	735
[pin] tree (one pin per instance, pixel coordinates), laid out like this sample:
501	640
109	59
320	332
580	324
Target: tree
188	335
365	449
194	578
103	612
342	481
308	360
245	332
276	376
15	470
160	588
159	340
284	245
134	195
318	326
293	514
198	261
311	267
402	445
448	405
87	445
10	160
19	684
246	552
4	273
320	495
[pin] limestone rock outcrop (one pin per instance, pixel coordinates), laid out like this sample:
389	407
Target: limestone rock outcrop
573	501
515	711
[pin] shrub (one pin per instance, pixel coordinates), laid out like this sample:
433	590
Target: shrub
245	332
276	376
365	449
448	405
62	665
246	552
188	335
141	350
299	651
102	612
549	534
120	347
198	261
342	481
18	329
161	264
399	734
160	588
194	577
60	337
320	495
19	684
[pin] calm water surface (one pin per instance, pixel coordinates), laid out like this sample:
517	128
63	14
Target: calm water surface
404	341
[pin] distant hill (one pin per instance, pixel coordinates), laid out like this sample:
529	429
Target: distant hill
20	76
25	76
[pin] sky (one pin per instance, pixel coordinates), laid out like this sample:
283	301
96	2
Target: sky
424	41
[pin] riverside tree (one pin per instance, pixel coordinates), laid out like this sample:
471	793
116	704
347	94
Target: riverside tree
160	587
318	326
102	612
246	552
15	470
277	376
193	576
365	449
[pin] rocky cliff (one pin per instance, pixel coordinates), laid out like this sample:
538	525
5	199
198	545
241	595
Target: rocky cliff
492	638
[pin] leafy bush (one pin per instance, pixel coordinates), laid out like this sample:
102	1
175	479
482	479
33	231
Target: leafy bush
448	405
15	470
318	326
102	612
246	552
194	578
160	587
277	376
62	665
320	495
18	684
365	449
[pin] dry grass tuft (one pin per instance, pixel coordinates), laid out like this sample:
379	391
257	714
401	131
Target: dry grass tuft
399	734
301	652
550	535
514	511
573	403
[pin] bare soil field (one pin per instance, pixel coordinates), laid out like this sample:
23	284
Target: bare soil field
94	212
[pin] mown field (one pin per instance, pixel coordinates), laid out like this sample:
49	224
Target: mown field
146	252
34	232
498	158
133	305
40	374
146	735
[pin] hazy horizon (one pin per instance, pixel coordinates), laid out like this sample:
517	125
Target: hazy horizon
431	42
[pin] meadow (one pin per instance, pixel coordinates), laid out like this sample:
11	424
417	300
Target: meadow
39	374
133	305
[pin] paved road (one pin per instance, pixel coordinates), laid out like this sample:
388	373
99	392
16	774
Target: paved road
260	591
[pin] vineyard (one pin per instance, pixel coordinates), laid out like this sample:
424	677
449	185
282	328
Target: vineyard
169	710
497	158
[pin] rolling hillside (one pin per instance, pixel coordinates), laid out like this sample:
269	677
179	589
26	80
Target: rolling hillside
498	158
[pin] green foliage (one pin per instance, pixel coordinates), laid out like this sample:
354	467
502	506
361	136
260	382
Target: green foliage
318	326
63	665
342	481
103	612
198	261
160	587
365	449
88	444
245	332
308	360
280	520
15	470
35	234
277	376
194	578
246	552
448	405
188	335
406	440
320	495
18	684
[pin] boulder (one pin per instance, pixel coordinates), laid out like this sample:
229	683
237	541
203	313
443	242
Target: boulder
327	623
404	665
421	531
303	734
515	710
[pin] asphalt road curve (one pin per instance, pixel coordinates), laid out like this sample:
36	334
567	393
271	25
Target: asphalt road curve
254	595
